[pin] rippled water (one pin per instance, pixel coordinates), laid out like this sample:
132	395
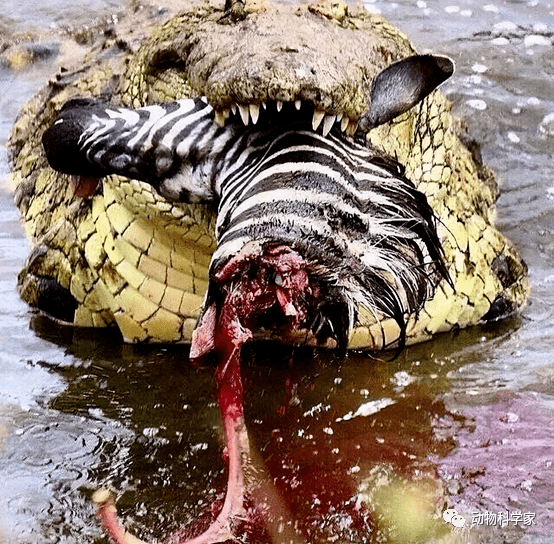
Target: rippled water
471	412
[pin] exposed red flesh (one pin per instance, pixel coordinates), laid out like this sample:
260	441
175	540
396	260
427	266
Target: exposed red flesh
83	186
221	530
107	514
253	282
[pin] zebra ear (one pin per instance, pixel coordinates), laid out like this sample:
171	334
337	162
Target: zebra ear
402	85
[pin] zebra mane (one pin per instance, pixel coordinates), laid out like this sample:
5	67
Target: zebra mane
368	236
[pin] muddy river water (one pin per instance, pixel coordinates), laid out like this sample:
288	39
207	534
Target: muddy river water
465	420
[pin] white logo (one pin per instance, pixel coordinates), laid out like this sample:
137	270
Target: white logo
450	515
458	520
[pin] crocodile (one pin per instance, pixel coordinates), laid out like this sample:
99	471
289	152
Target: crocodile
121	253
130	258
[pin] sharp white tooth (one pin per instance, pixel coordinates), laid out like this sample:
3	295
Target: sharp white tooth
297	104
328	123
244	113
344	123
204	99
254	112
290	309
339	117
279	105
221	116
352	127
234	108
264	105
317	118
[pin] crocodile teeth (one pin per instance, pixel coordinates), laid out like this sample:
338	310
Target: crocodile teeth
221	116
352	127
279	105
264	105
254	112
318	117
234	108
344	123
339	116
244	114
328	123
297	104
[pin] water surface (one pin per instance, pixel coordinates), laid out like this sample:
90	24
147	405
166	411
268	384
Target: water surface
469	413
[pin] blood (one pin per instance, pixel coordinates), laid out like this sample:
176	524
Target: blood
254	284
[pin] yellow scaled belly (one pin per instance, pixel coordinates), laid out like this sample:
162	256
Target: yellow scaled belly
149	262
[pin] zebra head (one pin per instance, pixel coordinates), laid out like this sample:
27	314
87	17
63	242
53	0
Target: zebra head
312	224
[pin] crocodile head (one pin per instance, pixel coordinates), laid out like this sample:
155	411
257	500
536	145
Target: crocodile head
329	66
317	56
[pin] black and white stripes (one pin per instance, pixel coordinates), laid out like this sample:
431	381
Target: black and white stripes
366	234
170	146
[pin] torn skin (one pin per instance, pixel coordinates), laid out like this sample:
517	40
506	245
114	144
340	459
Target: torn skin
253	283
258	287
255	286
